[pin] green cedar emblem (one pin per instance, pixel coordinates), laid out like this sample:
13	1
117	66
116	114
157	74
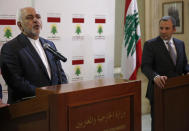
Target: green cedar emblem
100	30
78	29
53	29
77	72
131	36
99	69
8	33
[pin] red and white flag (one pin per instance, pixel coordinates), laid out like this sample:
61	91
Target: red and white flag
131	48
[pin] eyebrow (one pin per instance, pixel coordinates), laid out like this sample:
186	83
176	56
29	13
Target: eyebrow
38	15
29	15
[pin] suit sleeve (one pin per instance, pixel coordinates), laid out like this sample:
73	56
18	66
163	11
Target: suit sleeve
13	73
148	61
186	66
63	76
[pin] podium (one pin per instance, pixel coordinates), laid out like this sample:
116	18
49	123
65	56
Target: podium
171	106
96	105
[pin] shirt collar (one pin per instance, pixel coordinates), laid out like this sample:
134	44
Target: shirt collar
171	40
33	41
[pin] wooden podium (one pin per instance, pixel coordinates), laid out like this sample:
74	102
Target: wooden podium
97	105
171	106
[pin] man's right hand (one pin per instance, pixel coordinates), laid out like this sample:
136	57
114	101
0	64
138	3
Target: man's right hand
160	81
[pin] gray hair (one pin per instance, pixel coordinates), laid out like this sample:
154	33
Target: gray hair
166	18
19	15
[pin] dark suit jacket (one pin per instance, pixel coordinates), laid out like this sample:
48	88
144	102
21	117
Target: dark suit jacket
23	69
157	61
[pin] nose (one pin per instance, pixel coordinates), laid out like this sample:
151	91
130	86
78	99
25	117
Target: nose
35	19
163	30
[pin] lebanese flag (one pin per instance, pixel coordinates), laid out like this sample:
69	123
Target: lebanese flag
131	48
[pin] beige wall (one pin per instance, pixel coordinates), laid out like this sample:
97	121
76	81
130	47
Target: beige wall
150	12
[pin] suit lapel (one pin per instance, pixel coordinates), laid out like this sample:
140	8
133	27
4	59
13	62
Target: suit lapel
164	50
177	49
31	50
49	57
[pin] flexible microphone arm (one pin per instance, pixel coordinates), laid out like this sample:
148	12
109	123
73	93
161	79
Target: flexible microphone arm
54	52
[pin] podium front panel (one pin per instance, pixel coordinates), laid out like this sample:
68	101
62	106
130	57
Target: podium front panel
107	115
96	106
176	111
171	108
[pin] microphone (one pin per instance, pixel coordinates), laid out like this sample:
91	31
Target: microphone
54	52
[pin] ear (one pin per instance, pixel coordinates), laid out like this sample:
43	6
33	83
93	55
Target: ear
174	29
19	25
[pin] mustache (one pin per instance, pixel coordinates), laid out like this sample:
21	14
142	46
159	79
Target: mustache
37	26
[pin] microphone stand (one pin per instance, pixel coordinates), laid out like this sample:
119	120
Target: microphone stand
59	69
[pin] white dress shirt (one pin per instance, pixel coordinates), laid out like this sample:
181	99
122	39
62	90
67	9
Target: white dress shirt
38	47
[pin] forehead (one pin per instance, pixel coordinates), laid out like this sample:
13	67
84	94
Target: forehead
29	11
166	23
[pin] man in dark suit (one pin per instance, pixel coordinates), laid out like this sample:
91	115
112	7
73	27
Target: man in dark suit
163	57
25	64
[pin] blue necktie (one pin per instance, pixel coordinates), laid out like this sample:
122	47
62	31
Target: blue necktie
172	53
